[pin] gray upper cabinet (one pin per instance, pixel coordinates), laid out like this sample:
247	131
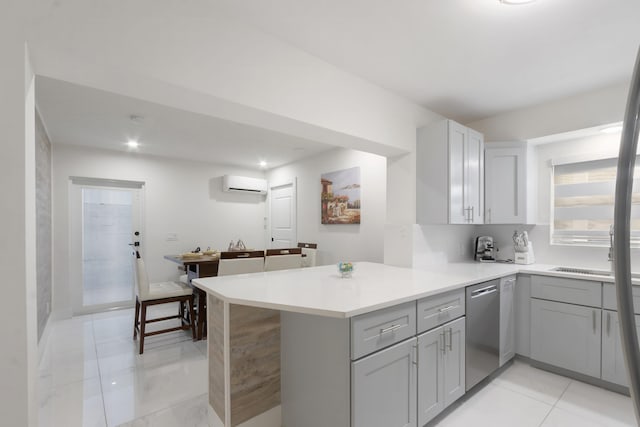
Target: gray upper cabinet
441	369
613	367
566	335
509	183
450	174
383	388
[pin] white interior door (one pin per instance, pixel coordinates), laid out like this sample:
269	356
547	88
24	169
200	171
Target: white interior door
105	228
282	202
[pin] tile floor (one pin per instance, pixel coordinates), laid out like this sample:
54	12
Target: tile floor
91	375
524	396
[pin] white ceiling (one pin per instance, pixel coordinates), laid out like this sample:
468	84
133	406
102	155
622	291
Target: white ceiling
83	116
464	59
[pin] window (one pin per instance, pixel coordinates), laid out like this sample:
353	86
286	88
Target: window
582	203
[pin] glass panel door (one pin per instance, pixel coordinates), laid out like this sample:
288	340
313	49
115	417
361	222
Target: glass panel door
107	226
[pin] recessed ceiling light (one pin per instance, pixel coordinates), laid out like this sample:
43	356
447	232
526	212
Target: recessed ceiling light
612	129
136	119
263	164
132	143
514	2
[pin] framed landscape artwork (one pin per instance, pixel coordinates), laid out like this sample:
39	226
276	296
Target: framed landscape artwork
340	196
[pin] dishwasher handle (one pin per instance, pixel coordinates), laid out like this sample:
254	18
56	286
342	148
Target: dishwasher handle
484	291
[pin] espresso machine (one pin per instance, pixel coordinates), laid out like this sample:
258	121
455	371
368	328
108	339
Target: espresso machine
484	249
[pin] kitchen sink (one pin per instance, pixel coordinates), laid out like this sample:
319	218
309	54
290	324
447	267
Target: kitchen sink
589	272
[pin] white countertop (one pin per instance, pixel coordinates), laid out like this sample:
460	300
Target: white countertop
321	291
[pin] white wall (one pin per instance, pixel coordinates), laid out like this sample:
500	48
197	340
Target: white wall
18	328
587	110
435	245
181	197
355	242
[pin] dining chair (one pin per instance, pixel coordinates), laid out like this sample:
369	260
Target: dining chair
308	253
283	259
148	294
240	262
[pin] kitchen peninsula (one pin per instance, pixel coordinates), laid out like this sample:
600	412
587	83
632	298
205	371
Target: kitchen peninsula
285	347
306	313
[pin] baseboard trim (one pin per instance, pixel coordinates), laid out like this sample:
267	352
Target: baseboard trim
580	377
270	418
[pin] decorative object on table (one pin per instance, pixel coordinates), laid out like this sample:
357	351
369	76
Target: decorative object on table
340	196
345	268
209	251
239	246
523	248
189	255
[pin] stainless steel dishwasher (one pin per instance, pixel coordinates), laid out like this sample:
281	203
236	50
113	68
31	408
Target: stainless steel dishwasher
483	331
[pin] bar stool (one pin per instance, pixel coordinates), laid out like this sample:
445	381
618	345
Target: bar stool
148	294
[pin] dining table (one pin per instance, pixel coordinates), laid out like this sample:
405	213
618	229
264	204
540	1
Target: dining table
198	267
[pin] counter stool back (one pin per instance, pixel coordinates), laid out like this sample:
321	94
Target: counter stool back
283	259
309	251
235	262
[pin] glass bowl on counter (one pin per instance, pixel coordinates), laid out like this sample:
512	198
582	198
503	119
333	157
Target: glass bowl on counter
345	268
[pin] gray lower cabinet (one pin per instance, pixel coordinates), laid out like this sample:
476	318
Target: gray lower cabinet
613	367
507	319
383	387
441	369
566	335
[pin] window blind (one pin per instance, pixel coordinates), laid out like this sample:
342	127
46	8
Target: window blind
583	198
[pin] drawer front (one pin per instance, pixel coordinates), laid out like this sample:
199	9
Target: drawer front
573	291
610	302
374	331
440	309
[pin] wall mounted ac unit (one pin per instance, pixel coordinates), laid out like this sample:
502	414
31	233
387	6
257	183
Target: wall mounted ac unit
244	184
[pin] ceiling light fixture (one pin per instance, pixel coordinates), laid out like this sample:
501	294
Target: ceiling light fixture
263	164
132	143
612	129
136	119
516	2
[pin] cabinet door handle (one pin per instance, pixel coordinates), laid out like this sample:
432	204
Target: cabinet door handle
472	213
608	324
593	317
415	354
390	329
443	349
447	308
451	339
488	216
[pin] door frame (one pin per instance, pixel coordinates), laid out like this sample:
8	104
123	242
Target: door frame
294	189
75	186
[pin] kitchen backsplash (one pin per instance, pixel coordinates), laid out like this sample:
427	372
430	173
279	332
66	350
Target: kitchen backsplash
437	244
